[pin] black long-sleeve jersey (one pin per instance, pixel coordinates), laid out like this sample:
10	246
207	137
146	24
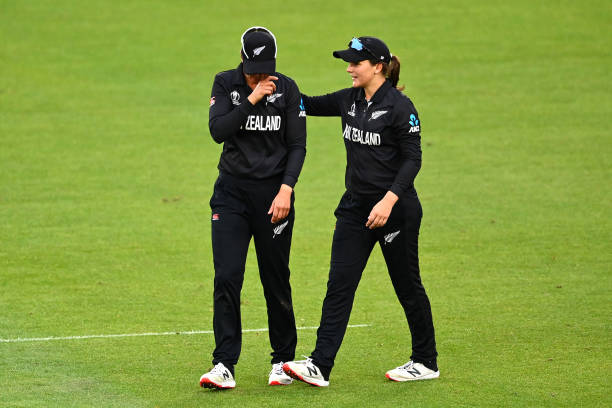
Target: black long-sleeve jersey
382	137
263	140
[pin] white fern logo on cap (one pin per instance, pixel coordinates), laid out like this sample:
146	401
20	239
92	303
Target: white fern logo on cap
258	50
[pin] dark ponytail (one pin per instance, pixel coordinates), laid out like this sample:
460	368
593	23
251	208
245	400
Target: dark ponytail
392	72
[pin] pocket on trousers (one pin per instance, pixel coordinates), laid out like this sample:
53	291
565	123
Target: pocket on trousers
217	196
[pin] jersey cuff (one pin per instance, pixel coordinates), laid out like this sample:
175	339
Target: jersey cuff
289	180
397	190
246	108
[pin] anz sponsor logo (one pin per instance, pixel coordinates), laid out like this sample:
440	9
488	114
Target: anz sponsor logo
414	124
302	113
359	136
264	123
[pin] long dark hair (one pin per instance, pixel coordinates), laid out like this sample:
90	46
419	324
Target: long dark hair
391	71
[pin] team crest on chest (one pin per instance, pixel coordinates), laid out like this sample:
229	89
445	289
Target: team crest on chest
377	114
273	97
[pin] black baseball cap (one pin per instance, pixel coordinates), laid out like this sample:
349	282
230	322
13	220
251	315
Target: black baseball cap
365	48
258	51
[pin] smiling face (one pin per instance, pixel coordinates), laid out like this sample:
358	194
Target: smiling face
363	72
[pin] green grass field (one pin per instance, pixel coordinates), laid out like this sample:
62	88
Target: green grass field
106	168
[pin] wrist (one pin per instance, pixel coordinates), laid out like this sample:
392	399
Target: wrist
253	99
285	188
391	197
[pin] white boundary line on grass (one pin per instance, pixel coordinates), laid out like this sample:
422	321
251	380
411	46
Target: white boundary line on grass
174	333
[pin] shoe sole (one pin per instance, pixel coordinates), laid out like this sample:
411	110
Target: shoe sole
206	383
432	376
296	376
279	383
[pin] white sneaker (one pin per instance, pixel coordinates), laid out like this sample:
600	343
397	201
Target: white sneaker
219	377
278	376
412	371
304	370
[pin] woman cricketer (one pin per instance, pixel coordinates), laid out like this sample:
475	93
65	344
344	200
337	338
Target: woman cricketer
381	133
257	114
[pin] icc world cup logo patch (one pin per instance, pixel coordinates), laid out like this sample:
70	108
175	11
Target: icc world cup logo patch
235	97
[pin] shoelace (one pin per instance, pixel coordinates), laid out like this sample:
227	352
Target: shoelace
218	369
277	369
407	365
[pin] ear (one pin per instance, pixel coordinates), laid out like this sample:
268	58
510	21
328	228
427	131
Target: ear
378	68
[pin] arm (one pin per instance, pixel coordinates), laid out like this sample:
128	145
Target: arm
295	137
225	119
324	105
409	135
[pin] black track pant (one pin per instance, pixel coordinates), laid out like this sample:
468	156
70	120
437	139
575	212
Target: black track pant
239	212
351	247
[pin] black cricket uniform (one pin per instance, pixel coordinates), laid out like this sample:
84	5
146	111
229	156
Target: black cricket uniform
383	150
263	147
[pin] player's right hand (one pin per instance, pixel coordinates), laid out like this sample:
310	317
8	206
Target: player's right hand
264	87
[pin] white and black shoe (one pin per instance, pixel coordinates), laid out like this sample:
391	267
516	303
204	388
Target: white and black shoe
412	371
219	377
278	376
305	370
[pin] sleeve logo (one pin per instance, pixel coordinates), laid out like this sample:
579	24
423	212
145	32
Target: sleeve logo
414	124
212	101
302	113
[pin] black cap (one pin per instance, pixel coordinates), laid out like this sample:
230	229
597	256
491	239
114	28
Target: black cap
365	48
258	51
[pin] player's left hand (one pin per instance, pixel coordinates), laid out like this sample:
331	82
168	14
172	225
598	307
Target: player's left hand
381	211
281	205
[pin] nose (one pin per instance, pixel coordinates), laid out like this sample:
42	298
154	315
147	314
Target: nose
349	68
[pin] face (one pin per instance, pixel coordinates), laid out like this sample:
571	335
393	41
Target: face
253	79
256	77
362	72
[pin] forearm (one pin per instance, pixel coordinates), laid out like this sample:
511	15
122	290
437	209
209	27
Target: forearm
295	161
404	180
324	105
224	127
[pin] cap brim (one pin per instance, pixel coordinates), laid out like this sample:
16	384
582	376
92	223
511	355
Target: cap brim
259	67
351	55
